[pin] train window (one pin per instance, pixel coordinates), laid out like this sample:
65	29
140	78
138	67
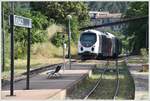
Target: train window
88	39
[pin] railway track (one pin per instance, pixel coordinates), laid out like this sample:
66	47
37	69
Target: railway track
117	79
98	83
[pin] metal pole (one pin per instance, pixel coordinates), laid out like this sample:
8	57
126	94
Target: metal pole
69	48
28	61
64	51
147	38
12	50
3	40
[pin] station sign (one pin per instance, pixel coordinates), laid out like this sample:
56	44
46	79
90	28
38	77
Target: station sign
22	21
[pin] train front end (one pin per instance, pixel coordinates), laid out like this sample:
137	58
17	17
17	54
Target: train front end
88	45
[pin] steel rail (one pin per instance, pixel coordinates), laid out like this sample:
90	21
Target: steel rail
117	85
98	82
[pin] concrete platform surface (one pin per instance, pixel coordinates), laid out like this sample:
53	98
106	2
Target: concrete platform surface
141	81
42	88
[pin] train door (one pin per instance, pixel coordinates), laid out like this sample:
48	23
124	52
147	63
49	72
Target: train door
109	47
117	47
100	44
104	45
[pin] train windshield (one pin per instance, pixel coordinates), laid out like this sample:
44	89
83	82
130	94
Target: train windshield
88	39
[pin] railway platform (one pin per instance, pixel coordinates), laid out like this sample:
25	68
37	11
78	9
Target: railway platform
42	88
140	81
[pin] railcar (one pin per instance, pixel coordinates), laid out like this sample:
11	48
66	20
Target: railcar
97	44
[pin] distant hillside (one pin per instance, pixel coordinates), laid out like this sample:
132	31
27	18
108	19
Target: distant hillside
113	7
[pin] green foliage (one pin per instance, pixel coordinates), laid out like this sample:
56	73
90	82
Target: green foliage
57	39
138	29
39	36
59	10
113	7
39	20
43	14
74	29
38	33
20	51
125	42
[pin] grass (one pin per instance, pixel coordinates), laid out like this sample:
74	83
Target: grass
105	90
107	87
127	87
139	60
135	59
82	89
84	86
41	54
20	65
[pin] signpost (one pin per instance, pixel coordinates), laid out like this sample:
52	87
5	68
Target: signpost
27	23
12	51
28	60
21	22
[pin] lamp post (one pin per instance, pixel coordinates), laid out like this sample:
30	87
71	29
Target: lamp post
3	40
64	47
69	17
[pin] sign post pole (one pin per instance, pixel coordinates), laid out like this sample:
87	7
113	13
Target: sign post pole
12	50
21	22
27	23
28	60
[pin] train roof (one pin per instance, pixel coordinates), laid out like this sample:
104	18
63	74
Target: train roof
107	34
110	35
94	31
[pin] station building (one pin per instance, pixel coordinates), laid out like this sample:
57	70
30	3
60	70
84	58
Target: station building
101	17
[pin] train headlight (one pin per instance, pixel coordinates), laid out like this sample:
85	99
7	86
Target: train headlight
92	49
81	48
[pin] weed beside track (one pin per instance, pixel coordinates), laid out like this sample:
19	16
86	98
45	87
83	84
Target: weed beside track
107	86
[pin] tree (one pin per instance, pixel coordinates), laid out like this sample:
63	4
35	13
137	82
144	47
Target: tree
113	7
138	29
75	29
41	18
59	10
39	24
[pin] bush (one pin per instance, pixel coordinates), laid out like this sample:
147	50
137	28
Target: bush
45	49
58	39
